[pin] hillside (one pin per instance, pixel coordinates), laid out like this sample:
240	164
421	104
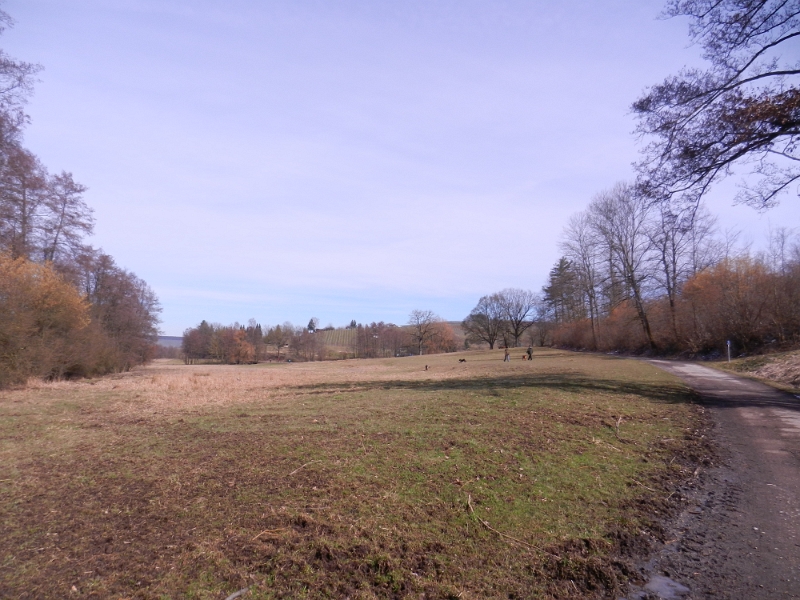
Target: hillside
338	338
170	341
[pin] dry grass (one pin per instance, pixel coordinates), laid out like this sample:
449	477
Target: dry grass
358	479
781	370
169	386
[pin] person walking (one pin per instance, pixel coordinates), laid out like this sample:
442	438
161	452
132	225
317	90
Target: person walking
530	352
508	355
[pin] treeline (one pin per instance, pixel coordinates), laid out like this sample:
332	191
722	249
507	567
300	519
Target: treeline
252	343
643	268
66	309
639	275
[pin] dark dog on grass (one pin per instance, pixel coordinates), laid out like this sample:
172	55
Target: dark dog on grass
462	360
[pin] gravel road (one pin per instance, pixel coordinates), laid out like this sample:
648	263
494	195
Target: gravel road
739	536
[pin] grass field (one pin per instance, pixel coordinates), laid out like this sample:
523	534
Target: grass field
357	479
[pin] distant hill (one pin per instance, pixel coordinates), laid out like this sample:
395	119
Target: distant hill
170	341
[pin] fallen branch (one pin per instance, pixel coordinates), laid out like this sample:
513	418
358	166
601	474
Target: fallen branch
598	441
644	486
615	427
235	595
311	462
500	533
268	531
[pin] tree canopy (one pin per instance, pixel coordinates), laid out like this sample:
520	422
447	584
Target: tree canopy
742	111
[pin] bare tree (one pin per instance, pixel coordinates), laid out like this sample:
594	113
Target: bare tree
68	217
305	344
16	86
780	243
422	326
517	306
784	285
22	176
23	183
705	249
582	246
543	323
44	218
679	239
621	217
394	338
742	109
485	323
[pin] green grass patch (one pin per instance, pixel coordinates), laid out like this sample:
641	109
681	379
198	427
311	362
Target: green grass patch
492	480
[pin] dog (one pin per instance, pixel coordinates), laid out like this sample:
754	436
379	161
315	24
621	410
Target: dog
462	360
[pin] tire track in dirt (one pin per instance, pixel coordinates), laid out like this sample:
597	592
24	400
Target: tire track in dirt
740	534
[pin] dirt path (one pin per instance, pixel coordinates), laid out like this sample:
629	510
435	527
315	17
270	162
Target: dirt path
739	536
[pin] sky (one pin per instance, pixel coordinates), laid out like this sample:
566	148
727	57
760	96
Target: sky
282	160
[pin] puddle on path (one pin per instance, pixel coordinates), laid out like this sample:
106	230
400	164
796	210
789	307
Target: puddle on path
660	587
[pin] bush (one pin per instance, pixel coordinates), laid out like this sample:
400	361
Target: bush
42	320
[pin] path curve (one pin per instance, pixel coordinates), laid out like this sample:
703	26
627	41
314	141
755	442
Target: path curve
739	536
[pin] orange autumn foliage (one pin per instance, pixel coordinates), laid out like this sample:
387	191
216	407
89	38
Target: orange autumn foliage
744	300
41	320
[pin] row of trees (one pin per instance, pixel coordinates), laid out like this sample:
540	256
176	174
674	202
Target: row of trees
628	260
231	344
504	317
66	309
378	340
239	344
625	248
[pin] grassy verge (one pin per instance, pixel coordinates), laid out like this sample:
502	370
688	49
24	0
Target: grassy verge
781	370
357	479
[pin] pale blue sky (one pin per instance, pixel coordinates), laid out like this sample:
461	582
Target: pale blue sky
344	160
